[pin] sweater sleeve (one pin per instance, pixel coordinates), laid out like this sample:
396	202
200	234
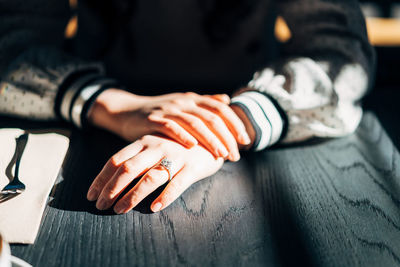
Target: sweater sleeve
314	89
38	79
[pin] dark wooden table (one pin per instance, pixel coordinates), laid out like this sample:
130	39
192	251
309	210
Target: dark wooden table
331	203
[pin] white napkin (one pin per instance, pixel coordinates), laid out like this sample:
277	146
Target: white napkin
40	164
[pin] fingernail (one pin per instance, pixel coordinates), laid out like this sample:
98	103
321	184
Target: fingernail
101	204
195	142
191	143
223	152
234	157
237	157
156	207
245	139
92	194
119	210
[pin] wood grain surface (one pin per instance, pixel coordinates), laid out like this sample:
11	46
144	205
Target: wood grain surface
330	203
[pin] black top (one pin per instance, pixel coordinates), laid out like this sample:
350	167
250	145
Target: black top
185	45
210	46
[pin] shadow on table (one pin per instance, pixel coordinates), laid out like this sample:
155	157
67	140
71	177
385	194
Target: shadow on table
87	154
323	196
289	244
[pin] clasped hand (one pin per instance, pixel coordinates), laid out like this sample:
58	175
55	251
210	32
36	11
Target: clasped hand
196	133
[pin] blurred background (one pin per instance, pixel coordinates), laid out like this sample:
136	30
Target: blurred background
383	22
383	25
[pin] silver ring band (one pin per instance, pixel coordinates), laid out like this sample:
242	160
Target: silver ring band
167	164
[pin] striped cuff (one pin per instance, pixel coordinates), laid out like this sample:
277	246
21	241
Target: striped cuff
85	99
77	99
263	115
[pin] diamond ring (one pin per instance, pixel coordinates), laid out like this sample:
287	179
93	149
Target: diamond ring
167	164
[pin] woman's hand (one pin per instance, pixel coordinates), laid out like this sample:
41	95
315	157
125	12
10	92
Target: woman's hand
184	117
141	160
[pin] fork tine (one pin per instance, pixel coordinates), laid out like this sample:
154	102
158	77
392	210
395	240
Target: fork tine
15	187
5	197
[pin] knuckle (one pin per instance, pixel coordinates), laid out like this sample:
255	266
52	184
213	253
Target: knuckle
126	202
154	116
178	102
218	106
131	198
127	167
224	108
95	187
150	178
163	146
190	94
165	109
214	120
145	139
168	125
215	144
160	124
169	108
114	161
225	96
109	193
195	122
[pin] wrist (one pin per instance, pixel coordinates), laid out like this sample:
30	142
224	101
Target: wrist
247	123
110	107
263	117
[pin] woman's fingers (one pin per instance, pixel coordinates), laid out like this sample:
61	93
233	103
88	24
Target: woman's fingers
221	97
126	173
111	167
189	174
233	122
173	130
173	190
201	132
153	179
219	128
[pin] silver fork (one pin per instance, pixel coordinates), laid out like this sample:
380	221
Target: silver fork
16	186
